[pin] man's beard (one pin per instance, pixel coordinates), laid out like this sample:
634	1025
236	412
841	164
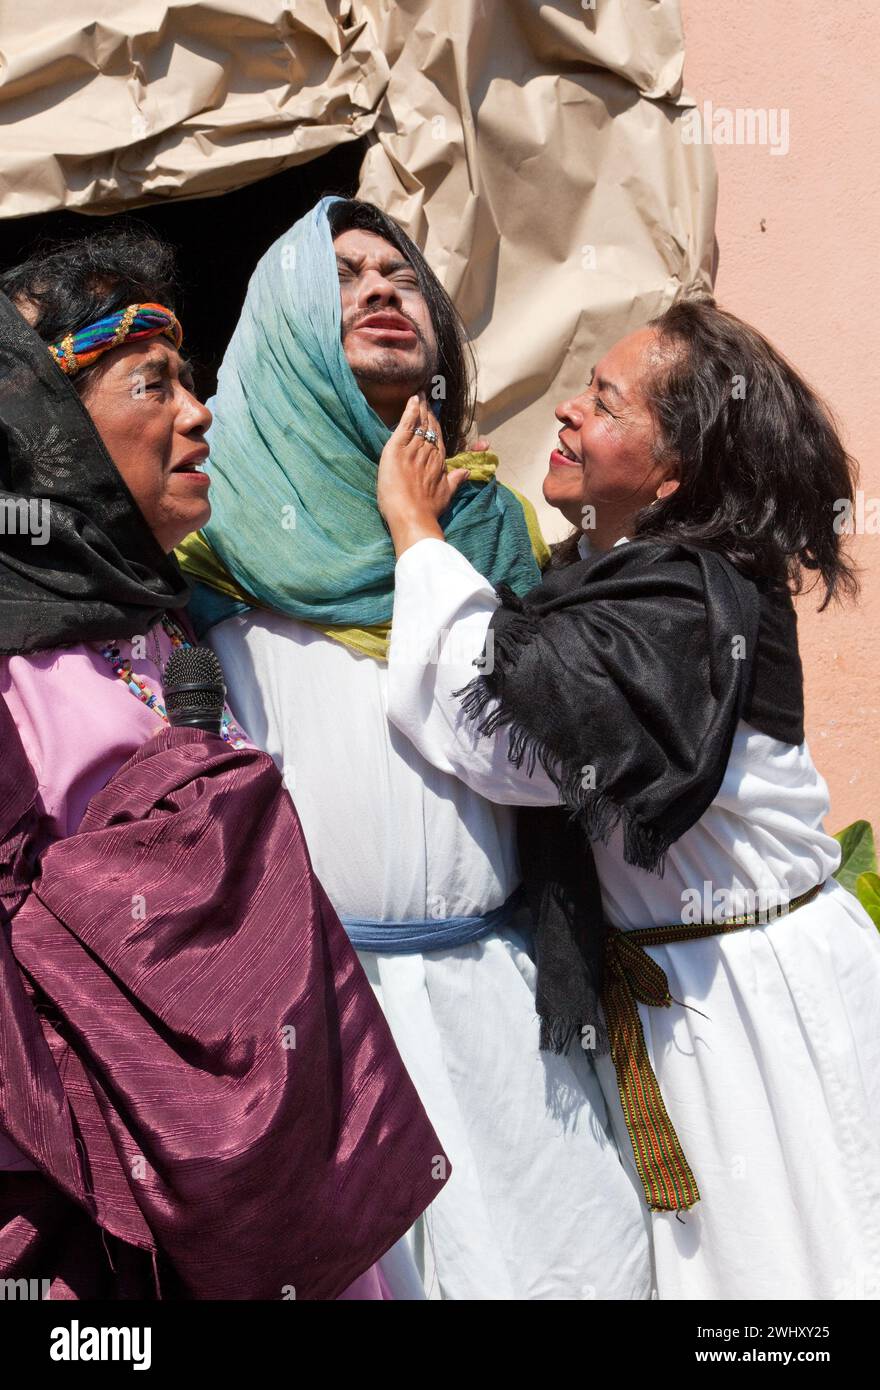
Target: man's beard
387	366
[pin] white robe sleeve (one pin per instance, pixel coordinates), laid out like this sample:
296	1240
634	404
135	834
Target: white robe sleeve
442	610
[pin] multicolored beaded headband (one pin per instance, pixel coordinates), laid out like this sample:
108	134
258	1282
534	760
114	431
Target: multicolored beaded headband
78	350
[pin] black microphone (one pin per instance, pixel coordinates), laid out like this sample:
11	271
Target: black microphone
194	689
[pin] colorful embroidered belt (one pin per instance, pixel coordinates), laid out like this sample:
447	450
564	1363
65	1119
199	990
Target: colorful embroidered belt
633	978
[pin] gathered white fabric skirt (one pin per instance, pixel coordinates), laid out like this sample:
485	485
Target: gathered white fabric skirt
775	1097
539	1205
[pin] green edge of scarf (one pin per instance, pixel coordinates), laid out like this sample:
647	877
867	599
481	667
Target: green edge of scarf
218	596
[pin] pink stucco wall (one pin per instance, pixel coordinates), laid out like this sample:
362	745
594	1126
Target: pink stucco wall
799	240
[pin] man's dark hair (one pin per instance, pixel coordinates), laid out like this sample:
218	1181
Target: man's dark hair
760	461
64	286
455	355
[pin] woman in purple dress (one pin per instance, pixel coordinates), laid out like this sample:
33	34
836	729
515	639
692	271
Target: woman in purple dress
199	1096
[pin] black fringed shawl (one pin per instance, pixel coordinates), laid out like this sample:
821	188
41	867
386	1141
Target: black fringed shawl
625	676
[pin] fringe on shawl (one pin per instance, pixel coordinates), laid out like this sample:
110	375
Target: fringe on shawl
483	704
559	1033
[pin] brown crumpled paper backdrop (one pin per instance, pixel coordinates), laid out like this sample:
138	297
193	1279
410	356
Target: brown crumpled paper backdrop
532	148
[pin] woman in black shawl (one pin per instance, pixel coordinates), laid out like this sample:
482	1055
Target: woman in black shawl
199	1096
645	703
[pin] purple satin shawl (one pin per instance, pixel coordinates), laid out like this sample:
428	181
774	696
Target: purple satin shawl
189	1047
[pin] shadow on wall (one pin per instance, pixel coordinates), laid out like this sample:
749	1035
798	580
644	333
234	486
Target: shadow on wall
218	242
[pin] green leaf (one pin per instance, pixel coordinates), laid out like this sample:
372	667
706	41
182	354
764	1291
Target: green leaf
868	894
859	856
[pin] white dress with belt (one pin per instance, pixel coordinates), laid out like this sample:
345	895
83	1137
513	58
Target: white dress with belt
539	1204
774	1085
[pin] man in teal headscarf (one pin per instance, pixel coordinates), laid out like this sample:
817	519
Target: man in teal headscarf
337	331
343	322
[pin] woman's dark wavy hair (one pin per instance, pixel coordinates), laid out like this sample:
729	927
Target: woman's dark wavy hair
69	284
760	460
456	359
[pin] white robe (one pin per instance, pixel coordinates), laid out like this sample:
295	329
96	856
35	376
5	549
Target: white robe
539	1205
774	1086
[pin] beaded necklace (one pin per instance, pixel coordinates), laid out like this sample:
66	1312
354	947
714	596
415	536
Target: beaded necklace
138	686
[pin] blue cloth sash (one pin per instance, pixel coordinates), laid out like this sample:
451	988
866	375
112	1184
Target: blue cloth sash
435	934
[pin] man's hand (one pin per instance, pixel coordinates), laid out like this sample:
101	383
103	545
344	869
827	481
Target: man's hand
413	488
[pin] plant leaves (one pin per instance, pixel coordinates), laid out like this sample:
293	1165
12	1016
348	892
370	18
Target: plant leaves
859	855
868	894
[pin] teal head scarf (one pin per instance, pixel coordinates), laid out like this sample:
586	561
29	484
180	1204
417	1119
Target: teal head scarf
294	454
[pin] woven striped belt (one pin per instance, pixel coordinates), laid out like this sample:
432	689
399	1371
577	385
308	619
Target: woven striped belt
633	978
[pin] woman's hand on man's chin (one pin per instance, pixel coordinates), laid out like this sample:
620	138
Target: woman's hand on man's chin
413	488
